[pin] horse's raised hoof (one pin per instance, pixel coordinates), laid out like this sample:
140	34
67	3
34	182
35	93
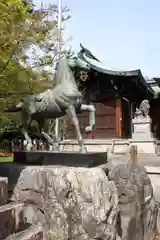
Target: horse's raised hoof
83	149
88	129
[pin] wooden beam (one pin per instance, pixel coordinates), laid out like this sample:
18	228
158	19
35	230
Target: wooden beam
118	118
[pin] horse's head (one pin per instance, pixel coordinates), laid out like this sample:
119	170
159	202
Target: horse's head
76	63
66	66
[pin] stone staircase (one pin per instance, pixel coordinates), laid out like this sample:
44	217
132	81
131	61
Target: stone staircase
112	146
13	224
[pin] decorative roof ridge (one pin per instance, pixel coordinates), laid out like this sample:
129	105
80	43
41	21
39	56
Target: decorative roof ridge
96	65
87	56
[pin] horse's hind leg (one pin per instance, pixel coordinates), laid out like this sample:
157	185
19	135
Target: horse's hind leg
24	131
50	140
73	117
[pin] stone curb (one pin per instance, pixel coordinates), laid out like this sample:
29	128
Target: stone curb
152	170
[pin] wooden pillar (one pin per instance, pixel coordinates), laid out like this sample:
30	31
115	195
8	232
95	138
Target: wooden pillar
118	118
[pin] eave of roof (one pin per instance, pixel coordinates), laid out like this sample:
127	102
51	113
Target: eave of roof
154	84
156	80
96	65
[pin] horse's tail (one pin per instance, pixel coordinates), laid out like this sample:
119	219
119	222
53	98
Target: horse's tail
17	108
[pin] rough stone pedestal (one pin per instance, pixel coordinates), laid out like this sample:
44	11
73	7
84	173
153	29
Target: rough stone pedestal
70	203
142	135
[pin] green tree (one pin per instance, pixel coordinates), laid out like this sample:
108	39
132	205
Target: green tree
24	30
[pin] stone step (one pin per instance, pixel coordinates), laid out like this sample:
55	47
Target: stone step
3	190
11	219
31	233
117	146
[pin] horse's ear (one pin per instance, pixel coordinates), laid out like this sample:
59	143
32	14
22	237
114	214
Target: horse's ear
81	46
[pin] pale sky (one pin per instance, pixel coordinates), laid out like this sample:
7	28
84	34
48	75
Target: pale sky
123	34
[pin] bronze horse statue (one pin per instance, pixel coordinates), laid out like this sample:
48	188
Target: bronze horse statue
63	99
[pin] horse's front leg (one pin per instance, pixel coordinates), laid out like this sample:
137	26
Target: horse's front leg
73	117
91	109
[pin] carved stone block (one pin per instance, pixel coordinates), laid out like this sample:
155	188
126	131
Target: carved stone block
142	135
74	159
31	233
11	219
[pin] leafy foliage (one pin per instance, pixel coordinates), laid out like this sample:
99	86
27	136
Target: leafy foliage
27	44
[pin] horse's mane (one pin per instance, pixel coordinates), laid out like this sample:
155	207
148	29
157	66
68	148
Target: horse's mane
64	73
